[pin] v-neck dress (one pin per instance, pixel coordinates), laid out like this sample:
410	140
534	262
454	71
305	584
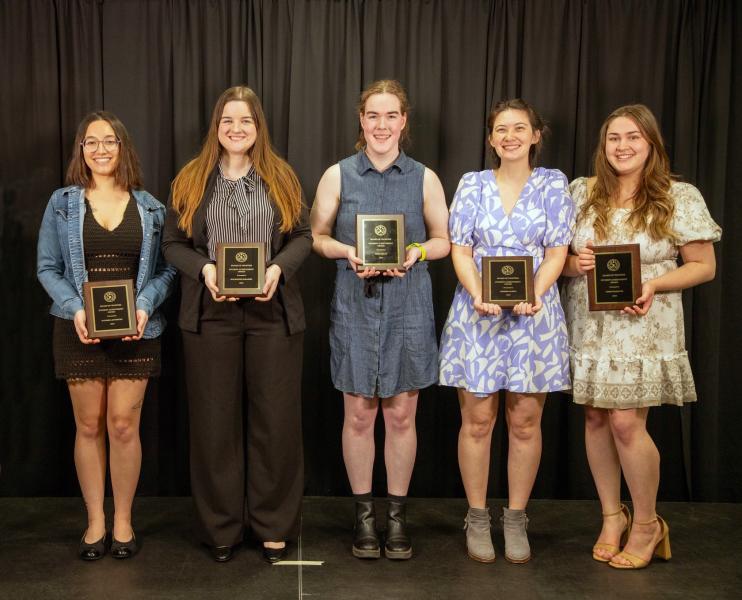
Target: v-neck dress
113	254
527	354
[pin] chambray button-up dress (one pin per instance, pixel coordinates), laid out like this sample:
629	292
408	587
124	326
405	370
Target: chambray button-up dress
382	339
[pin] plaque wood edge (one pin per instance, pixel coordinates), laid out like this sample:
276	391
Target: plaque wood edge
487	261
87	292
636	277
399	218
240	292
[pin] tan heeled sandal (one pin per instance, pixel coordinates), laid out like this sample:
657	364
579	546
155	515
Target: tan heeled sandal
661	549
624	536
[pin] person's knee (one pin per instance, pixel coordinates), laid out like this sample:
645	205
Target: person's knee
625	426
524	427
478	427
122	429
398	420
90	427
595	420
360	422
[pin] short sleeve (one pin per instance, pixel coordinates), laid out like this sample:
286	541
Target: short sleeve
560	211
464	210
692	221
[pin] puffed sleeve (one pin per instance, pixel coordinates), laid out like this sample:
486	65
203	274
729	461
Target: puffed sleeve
692	221
464	209
560	211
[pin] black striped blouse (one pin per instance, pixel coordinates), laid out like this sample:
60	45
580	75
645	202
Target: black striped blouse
239	211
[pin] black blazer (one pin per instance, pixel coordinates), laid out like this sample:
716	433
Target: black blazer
189	255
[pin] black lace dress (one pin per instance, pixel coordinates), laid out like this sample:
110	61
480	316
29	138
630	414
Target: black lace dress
108	255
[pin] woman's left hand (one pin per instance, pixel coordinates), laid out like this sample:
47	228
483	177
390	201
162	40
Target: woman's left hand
528	309
411	257
272	276
644	302
142	318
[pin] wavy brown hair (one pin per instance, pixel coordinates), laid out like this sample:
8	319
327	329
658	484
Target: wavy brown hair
128	173
653	205
385	86
537	124
282	183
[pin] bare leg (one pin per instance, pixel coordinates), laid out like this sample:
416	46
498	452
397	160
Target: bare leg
358	440
640	461
125	397
523	412
478	417
400	445
89	406
606	470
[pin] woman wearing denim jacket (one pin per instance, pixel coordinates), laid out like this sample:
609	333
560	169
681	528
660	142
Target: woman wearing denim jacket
102	227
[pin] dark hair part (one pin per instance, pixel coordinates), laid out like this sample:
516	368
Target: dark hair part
385	86
537	123
128	173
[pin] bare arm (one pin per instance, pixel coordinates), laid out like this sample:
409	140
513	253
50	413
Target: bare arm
471	279
699	266
435	214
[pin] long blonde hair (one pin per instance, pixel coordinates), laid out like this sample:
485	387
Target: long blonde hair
280	179
653	205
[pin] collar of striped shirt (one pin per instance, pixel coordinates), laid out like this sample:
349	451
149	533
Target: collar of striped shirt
249	180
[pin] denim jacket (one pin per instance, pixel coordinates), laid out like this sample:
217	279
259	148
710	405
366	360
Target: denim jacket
60	264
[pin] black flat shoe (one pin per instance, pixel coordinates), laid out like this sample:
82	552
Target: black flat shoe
94	551
274	555
221	553
124	549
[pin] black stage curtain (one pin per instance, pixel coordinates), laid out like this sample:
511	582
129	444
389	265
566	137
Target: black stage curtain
160	67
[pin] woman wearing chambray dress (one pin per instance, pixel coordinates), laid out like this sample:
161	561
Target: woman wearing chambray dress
382	332
102	227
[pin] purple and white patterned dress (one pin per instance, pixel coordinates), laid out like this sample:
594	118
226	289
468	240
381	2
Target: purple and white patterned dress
528	354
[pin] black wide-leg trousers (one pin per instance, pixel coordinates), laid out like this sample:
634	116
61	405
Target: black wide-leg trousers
243	360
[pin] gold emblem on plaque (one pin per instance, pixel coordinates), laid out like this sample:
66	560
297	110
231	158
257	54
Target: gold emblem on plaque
241	257
613	264
109	296
507	270
380	230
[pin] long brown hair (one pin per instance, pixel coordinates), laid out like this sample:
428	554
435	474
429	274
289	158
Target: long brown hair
653	206
282	183
128	173
537	124
385	86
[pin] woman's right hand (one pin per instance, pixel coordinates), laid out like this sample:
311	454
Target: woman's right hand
81	328
209	273
586	258
355	262
486	308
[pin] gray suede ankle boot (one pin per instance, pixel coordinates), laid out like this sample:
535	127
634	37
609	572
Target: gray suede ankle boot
514	525
478	536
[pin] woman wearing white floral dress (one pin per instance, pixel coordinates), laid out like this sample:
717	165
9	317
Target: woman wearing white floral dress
623	362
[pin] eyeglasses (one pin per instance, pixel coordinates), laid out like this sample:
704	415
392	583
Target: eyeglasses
92	144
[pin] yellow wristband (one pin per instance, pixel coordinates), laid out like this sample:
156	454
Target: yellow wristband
423	254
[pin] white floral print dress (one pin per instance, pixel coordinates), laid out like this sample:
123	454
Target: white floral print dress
625	361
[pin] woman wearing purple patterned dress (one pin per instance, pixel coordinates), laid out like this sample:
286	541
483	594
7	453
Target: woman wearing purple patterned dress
513	210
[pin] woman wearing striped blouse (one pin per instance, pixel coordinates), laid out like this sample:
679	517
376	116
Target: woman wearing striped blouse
239	190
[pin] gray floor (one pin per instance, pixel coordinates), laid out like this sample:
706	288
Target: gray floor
38	541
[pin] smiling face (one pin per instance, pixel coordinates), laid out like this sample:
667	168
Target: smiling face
103	159
237	131
382	122
626	148
513	135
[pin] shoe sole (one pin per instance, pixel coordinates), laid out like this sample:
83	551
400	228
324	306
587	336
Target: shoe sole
358	553
398	554
517	561
480	559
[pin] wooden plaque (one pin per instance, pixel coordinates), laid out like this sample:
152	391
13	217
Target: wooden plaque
507	280
616	280
240	269
380	241
110	308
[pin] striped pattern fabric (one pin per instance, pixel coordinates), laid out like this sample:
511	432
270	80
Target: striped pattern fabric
239	211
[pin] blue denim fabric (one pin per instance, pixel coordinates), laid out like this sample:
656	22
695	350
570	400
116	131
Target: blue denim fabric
60	262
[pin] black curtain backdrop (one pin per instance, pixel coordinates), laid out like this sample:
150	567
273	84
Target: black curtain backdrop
161	65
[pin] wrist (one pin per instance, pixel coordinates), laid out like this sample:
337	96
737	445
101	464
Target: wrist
420	247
